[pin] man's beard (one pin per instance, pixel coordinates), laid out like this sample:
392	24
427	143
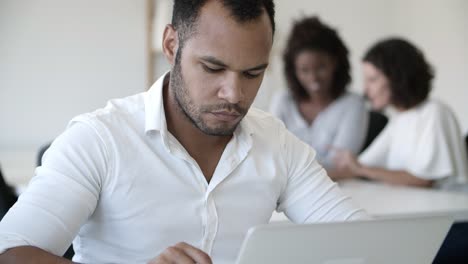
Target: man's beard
194	113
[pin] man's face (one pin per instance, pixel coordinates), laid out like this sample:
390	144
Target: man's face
217	74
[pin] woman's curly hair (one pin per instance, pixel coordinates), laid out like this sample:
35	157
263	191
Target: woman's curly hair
310	34
405	67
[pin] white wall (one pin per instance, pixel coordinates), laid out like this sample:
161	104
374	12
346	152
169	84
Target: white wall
60	58
438	27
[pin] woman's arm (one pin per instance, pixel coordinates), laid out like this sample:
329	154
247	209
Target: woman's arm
398	177
353	125
349	167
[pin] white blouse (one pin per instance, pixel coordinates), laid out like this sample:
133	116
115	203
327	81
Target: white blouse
342	125
425	141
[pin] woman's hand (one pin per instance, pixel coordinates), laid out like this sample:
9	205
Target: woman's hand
346	164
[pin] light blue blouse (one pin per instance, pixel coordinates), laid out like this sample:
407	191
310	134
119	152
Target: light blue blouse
343	124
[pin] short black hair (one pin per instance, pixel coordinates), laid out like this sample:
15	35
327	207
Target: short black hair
310	34
185	14
404	65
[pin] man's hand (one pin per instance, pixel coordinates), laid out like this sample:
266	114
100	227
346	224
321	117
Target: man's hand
182	253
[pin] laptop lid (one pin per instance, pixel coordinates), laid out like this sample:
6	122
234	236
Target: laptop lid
402	240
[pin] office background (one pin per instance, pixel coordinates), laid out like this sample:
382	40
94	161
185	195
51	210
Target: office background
60	58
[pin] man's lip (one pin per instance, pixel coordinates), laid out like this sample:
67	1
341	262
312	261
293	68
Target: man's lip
226	115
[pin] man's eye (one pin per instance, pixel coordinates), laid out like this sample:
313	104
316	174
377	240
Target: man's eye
252	75
211	70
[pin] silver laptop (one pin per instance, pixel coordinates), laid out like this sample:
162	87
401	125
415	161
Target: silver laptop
402	240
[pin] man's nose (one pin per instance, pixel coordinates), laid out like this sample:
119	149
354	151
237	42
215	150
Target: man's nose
231	89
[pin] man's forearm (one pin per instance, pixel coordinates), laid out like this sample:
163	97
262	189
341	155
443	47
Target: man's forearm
28	254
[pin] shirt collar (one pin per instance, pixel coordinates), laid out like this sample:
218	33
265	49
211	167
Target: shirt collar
155	117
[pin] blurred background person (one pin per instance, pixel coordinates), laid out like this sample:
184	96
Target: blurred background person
317	107
422	144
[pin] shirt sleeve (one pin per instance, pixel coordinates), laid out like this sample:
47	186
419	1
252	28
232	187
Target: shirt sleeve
435	149
62	194
310	195
352	130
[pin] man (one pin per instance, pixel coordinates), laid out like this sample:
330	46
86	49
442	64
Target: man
180	173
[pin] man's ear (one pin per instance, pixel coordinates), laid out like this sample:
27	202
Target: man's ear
170	43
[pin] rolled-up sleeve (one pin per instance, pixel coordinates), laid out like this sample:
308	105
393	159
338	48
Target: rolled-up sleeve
310	195
62	194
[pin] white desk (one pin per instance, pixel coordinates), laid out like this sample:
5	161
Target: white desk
383	200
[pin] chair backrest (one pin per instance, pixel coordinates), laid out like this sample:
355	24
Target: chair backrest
466	142
41	152
7	196
377	122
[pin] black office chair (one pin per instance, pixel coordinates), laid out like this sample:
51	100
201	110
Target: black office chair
466	142
7	196
70	252
41	152
377	122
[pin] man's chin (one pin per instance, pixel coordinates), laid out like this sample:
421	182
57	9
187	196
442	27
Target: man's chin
220	131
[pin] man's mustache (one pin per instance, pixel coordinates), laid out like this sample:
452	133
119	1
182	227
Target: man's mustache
233	108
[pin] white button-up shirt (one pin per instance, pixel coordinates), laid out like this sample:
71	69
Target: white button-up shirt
119	184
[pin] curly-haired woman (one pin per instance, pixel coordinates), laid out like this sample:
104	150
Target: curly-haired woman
422	144
317	107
